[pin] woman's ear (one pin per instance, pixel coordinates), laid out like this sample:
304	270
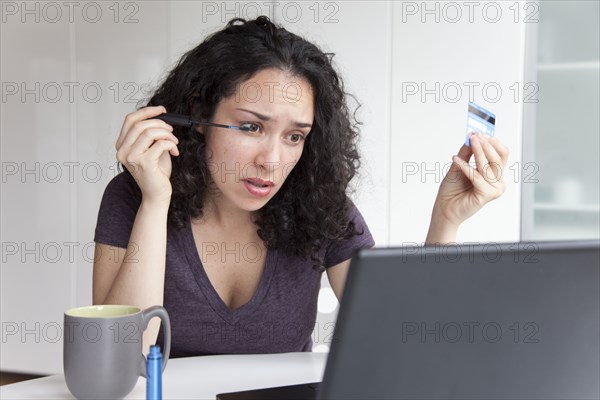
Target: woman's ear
196	113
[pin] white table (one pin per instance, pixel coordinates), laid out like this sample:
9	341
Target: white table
199	377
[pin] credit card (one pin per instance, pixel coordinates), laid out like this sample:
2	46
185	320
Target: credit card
479	120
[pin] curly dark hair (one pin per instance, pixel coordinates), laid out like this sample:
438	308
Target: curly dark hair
312	205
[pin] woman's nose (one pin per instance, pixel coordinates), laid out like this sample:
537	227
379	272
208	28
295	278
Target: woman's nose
268	153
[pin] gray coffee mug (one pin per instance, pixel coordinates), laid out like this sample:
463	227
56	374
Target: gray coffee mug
103	349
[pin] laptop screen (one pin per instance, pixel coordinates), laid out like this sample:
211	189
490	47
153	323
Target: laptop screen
489	321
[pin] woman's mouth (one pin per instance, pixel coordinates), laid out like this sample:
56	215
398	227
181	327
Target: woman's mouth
258	187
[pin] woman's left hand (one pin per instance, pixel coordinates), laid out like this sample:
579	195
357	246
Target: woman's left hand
465	189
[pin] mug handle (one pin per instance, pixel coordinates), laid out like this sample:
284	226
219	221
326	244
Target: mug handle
147	315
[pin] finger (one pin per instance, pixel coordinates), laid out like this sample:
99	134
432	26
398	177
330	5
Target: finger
492	171
128	153
148	138
483	190
139	115
467	169
501	149
480	158
491	153
465	153
142	129
159	147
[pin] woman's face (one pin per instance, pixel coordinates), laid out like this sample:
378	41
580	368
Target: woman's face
249	168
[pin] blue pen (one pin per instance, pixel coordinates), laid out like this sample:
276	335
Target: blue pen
154	374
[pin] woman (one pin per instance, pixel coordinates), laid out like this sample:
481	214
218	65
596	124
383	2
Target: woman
229	224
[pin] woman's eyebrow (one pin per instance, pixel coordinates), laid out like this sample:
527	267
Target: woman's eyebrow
267	118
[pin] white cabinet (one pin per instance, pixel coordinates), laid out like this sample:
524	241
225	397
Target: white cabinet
565	124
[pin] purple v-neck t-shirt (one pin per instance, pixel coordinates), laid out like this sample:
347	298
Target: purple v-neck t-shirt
281	315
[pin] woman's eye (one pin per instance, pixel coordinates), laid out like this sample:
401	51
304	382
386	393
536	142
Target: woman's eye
296	138
250	127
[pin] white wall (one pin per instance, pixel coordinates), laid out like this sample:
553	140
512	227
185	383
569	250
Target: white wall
123	53
436	61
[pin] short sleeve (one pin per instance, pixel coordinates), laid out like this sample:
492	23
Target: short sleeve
120	203
342	250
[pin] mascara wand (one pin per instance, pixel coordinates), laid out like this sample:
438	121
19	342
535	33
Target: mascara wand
178	119
187	121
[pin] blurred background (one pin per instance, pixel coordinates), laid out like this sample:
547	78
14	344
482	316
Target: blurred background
71	71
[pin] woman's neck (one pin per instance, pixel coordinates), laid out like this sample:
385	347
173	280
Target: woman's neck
224	214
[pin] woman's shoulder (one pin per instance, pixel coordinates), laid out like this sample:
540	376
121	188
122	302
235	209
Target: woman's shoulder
337	251
123	180
123	187
353	211
118	208
355	216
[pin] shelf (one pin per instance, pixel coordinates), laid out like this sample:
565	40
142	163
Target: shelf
576	208
569	66
557	232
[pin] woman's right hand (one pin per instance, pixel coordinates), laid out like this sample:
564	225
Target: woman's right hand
143	148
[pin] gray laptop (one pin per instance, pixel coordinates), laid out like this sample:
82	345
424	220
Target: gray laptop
490	321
